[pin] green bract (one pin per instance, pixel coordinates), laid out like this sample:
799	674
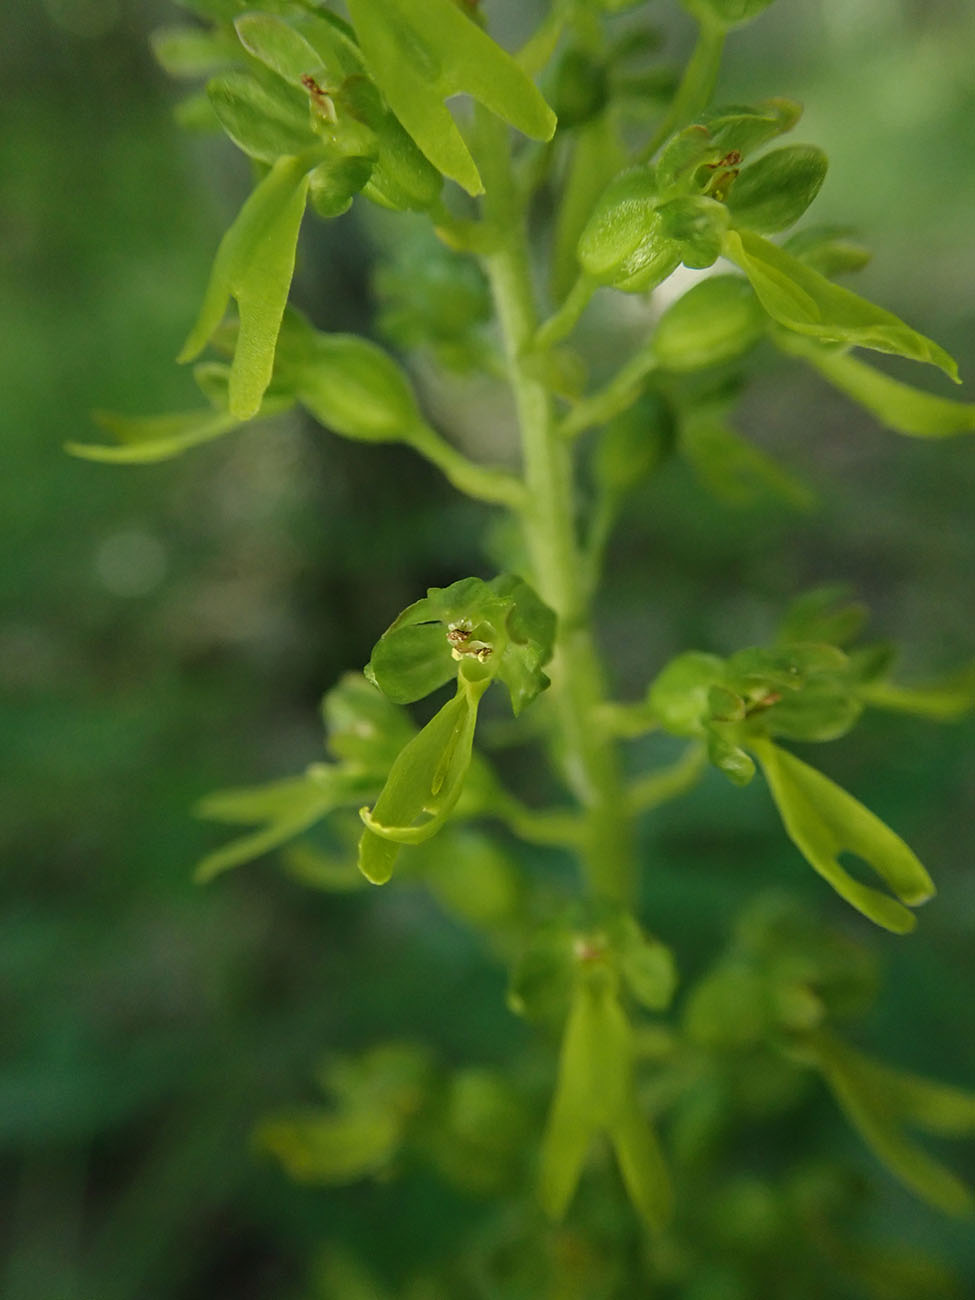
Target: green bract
422	51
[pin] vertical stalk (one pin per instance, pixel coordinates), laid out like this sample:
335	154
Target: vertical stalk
589	757
696	86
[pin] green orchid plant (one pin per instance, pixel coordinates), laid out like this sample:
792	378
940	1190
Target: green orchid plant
577	150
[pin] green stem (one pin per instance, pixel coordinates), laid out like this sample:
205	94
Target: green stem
696	86
561	324
479	481
589	757
617	396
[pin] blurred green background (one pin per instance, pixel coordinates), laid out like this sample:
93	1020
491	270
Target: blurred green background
170	630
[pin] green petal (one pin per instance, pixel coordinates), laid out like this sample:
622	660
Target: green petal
803	300
823	821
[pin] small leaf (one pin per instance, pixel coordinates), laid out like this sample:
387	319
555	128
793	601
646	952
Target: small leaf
823	821
896	405
254	264
716	321
418	64
147	439
803	300
830	250
773	193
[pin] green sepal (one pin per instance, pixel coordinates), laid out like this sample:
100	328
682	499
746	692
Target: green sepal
716	321
943	701
426	778
334	183
265	122
822	616
878	1101
192	51
283	810
410	661
896	405
280	46
679	696
254	264
729	1009
357	390
803	300
731	468
317	1147
631	445
693	158
541	983
696	224
624	242
773	193
823	821
597	156
645	965
421	55
727	13
531	629
402	179
376	1098
830	250
728	757
364	730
